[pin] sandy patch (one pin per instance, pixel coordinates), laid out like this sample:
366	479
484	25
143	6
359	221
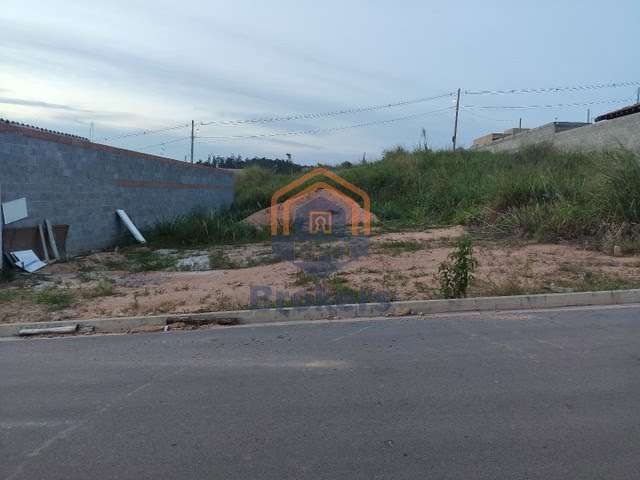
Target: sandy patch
504	268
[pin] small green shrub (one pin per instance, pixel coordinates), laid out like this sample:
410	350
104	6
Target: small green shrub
7	296
456	274
55	298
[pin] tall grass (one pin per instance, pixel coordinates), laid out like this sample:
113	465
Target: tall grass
620	197
536	193
254	188
205	228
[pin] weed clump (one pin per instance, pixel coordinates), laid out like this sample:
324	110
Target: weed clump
457	272
55	298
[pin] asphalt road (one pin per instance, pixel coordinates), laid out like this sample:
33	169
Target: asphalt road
526	395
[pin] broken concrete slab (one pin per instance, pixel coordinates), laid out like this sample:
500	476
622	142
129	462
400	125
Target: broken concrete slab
198	263
166	251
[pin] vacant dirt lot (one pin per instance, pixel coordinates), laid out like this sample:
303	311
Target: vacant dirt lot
402	265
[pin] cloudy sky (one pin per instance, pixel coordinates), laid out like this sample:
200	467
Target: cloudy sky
131	66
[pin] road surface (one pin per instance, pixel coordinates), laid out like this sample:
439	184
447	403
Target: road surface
535	395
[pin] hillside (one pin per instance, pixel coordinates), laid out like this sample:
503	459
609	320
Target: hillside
537	193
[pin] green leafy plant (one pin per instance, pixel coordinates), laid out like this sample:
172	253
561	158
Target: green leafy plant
456	274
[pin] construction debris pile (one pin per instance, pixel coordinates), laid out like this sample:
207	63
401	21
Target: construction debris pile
32	248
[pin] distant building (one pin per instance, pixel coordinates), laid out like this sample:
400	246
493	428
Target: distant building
494	137
487	139
604	133
621	130
623	112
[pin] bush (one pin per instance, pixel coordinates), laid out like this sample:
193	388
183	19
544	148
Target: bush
456	274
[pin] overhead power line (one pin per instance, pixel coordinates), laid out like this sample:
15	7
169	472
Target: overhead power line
556	105
306	116
146	132
282	118
162	144
554	89
324	130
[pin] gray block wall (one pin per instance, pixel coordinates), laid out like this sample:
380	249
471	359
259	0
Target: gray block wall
75	182
619	132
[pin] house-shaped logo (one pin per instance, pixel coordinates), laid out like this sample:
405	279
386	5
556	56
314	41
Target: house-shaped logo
284	214
314	211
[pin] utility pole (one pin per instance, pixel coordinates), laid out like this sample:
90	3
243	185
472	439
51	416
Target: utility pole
588	115
638	97
520	124
192	138
455	128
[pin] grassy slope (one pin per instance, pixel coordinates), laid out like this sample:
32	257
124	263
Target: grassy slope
537	193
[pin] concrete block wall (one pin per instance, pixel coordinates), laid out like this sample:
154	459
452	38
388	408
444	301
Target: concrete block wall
75	182
620	132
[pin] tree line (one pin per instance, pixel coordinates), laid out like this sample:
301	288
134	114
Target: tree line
277	165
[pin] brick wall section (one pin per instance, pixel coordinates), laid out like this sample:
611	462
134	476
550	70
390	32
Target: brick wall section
619	132
69	180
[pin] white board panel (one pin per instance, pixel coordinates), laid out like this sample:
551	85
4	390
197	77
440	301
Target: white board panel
15	210
27	260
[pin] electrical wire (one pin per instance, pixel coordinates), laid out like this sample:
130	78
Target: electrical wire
146	132
289	117
322	130
554	89
557	105
306	116
166	143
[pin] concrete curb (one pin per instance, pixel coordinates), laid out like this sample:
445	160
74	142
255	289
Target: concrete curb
335	312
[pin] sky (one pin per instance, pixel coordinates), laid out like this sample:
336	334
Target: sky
111	70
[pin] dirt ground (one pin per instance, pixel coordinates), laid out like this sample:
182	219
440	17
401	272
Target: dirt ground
402	265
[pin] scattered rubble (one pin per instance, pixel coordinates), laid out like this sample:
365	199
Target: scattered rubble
198	263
